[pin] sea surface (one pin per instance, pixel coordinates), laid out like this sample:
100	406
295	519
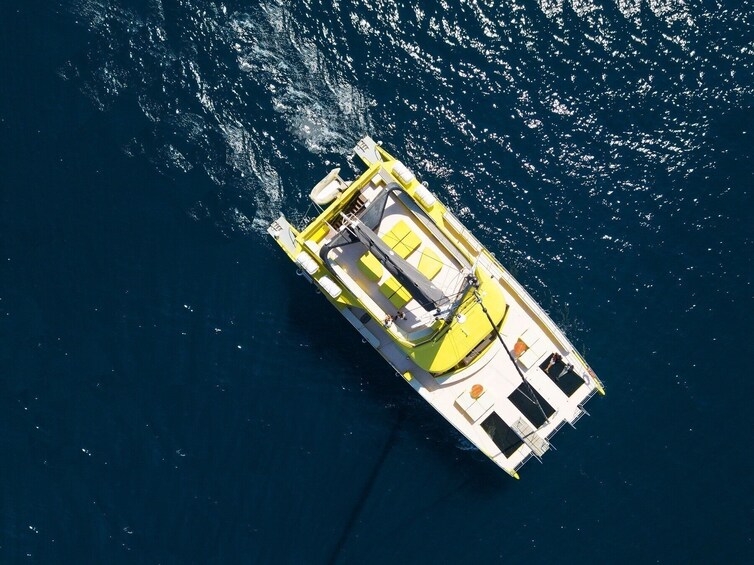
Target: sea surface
170	391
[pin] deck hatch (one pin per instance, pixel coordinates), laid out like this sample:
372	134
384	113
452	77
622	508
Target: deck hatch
569	382
525	399
504	437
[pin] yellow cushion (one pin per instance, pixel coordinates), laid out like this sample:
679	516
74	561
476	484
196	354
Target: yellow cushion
408	245
411	241
400	298
401	250
370	266
391	239
394	292
401	230
395	235
429	264
402	240
389	287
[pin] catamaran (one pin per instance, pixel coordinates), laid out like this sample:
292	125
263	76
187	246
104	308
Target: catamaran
440	309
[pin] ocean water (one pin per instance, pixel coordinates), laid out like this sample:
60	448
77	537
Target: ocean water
170	392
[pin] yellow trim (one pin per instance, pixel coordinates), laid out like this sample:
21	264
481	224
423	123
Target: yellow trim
451	345
598	386
597	382
336	206
320	234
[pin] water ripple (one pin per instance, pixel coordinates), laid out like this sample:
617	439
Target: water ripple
519	115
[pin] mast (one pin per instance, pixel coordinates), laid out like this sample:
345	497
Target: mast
424	291
533	399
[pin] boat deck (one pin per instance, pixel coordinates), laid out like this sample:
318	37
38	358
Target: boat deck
510	392
535	408
428	256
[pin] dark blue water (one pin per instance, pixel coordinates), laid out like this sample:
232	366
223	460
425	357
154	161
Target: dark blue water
171	393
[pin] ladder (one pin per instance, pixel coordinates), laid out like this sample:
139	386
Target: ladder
531	438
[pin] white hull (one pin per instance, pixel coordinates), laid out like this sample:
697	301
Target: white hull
522	405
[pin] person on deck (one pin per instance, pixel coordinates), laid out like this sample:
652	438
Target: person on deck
554	358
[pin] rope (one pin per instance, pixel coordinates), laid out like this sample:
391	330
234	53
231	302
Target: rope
510	355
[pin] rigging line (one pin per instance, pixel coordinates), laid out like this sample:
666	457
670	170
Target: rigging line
452	297
306	214
305	217
348	225
510	355
368	487
456	270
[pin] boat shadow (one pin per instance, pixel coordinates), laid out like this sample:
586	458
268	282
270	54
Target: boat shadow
343	345
471	477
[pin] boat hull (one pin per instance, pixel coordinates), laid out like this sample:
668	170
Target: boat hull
509	393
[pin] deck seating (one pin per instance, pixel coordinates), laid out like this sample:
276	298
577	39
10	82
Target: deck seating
395	293
429	264
407	245
389	287
533	354
402	239
396	234
400	298
535	348
371	267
